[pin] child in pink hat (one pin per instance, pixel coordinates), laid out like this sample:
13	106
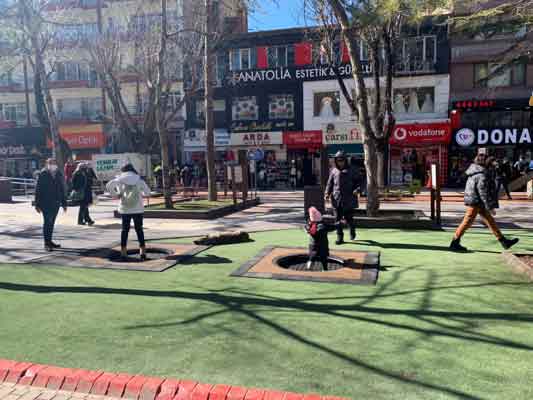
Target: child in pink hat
318	243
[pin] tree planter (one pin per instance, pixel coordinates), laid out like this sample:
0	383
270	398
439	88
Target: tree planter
213	213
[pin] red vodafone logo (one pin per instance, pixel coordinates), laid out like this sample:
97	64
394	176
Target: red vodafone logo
400	134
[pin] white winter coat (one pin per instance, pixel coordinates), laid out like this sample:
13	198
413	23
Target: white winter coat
117	186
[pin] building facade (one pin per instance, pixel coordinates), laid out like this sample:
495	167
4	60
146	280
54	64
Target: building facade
491	90
85	113
276	93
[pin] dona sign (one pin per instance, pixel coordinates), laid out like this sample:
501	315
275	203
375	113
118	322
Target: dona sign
496	137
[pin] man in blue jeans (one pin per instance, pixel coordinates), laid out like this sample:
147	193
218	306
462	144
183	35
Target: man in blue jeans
49	197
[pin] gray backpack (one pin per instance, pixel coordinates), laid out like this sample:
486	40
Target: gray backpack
130	196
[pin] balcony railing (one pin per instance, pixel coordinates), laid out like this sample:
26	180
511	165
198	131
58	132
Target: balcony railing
415	66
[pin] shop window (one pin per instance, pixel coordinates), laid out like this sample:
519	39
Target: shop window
245	58
414	100
497	75
15	112
326	104
281	106
245	109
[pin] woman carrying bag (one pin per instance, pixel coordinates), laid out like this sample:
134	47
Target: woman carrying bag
130	189
82	193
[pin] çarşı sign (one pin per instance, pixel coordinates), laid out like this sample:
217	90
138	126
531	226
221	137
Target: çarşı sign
409	134
341	134
467	137
256	138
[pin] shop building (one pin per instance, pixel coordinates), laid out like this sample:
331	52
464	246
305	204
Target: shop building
491	106
22	151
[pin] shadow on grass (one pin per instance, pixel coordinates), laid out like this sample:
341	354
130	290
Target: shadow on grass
414	246
208	259
244	304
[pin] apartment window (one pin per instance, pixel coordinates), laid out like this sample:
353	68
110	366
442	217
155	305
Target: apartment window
414	100
241	59
417	54
497	75
280	56
245	59
71	71
14	112
5	79
245	109
200	111
326	104
219	105
222	65
323	54
90	108
281	106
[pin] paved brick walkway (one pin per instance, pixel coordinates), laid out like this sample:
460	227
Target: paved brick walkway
11	391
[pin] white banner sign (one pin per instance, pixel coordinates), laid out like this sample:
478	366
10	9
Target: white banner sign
341	134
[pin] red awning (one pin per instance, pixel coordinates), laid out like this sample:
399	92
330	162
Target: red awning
303	139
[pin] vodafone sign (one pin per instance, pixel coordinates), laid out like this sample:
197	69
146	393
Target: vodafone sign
413	134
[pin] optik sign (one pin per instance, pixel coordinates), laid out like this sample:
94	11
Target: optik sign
467	137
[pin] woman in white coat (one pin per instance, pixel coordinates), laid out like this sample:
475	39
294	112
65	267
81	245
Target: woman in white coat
130	189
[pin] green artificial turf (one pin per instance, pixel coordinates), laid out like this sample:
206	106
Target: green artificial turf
438	325
195	205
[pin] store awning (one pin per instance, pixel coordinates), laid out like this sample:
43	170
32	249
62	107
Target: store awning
354	149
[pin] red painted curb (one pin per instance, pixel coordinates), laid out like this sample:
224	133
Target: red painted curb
134	387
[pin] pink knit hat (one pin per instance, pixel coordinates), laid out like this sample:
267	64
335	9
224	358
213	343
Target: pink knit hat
314	215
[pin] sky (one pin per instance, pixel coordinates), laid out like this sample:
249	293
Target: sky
284	14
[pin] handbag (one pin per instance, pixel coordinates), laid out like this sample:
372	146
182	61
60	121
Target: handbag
76	196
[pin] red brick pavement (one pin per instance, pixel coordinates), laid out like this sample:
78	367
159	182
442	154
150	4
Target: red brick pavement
27	381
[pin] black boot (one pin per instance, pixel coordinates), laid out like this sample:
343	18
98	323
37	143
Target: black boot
508	243
340	238
455	245
353	234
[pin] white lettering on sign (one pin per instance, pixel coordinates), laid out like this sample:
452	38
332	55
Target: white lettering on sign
12	151
283	74
466	137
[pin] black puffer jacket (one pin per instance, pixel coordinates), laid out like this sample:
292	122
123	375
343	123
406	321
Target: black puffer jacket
477	190
318	242
341	186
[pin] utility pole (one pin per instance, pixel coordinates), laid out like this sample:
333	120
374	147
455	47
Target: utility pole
208	94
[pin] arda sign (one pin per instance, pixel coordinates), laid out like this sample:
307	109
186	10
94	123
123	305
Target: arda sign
256	138
493	137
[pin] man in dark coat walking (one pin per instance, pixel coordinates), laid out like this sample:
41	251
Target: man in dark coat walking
480	199
82	181
49	197
342	188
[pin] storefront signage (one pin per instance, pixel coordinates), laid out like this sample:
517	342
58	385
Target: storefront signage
256	138
474	104
82	136
413	134
197	138
467	137
11	151
338	134
288	74
262	126
303	139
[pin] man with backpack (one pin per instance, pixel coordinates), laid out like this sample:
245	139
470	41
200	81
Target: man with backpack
130	189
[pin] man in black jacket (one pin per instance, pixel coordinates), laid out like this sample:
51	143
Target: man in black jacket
342	187
49	197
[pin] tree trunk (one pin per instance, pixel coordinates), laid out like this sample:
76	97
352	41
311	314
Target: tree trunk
209	117
57	149
165	167
160	111
381	168
372	189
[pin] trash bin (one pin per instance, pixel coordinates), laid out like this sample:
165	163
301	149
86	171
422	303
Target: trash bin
6	191
314	197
